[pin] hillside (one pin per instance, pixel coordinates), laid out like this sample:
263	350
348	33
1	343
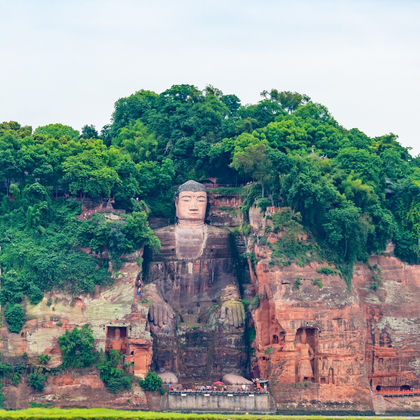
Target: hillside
320	216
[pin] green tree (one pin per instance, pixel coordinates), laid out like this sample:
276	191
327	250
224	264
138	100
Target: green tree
139	143
15	317
11	288
37	381
115	379
354	189
89	132
253	161
151	382
88	173
77	347
57	131
290	101
347	231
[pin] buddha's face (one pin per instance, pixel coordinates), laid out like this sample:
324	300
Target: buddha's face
191	206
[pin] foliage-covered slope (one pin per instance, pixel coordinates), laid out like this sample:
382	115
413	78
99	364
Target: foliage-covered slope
352	192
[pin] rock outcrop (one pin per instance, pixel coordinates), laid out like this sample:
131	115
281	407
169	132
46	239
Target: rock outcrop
392	319
83	388
118	318
325	347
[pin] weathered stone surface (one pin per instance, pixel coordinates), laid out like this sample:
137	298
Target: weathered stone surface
329	365
197	322
322	348
233	403
231	379
83	388
392	316
329	348
225	210
168	378
118	319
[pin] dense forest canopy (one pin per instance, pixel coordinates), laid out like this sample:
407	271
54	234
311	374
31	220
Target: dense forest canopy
352	193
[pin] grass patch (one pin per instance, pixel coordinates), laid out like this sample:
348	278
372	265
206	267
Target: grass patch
104	413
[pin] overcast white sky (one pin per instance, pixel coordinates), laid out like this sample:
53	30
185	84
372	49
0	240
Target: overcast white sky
69	61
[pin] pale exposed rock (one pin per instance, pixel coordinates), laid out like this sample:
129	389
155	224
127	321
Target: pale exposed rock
232	379
168	378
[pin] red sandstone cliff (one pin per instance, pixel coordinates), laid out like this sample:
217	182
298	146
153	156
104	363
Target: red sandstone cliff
328	347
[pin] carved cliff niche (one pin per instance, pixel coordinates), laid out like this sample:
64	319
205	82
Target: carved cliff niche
116	339
306	346
272	333
139	354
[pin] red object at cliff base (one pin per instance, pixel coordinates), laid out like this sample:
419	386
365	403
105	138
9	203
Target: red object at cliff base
218	383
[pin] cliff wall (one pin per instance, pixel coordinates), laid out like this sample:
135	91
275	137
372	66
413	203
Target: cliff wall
118	318
321	345
325	347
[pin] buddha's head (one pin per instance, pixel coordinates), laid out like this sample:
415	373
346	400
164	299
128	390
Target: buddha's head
191	203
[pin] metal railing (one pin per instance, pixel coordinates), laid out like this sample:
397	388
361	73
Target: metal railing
398	393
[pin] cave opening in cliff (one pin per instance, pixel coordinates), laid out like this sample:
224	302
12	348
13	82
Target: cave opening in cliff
116	339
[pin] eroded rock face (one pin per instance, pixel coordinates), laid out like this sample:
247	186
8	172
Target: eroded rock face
83	388
116	315
330	348
225	210
310	341
392	316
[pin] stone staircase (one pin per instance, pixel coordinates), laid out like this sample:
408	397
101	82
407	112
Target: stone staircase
379	404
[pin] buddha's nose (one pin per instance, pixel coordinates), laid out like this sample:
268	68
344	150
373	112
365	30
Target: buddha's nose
193	205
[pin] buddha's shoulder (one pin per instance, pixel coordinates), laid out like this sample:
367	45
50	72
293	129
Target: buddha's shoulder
166	233
216	231
165	229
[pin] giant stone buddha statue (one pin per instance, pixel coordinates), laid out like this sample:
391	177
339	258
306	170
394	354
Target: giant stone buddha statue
196	316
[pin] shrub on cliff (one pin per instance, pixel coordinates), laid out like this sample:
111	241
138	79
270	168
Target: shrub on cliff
5	370
77	347
35	294
117	237
37	380
44	359
11	288
151	382
328	271
15	317
115	379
